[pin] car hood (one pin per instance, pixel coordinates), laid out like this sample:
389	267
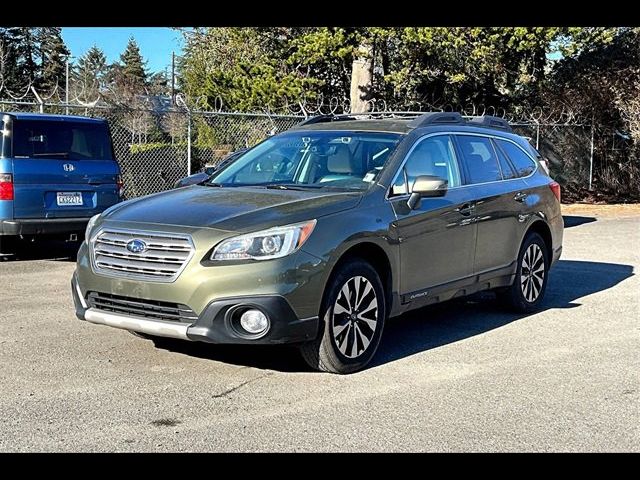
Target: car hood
237	209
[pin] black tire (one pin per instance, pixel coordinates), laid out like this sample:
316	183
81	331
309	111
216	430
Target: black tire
352	347
7	247
527	291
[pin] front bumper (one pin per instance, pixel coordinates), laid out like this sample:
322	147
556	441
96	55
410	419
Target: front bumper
213	325
42	226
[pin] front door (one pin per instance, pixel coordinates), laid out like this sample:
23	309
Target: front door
437	238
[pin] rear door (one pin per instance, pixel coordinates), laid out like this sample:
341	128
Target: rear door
62	168
497	202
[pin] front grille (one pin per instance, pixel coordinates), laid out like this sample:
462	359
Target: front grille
163	259
135	307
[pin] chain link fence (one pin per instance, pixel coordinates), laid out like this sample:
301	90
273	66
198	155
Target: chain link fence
156	148
157	145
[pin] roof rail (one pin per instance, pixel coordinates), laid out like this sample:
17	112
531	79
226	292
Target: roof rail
491	121
325	118
434	118
316	119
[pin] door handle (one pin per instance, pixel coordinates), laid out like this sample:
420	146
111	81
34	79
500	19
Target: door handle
520	196
465	209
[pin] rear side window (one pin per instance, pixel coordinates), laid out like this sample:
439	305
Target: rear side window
508	171
431	156
61	140
479	158
524	163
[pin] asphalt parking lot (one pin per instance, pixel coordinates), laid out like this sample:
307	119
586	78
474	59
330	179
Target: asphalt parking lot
465	376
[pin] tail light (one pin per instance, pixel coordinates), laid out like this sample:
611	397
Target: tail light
555	188
120	185
6	186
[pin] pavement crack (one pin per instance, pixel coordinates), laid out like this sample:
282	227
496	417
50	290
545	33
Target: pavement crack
239	386
166	422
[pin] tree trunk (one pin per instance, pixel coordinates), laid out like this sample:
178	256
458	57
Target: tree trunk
362	79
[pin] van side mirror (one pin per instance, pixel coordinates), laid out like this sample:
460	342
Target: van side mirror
427	186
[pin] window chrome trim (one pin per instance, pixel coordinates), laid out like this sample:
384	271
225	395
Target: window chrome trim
133	276
388	195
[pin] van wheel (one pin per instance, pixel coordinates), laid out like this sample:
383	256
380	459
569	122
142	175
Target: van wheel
353	315
527	291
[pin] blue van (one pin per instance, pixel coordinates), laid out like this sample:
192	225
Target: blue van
56	172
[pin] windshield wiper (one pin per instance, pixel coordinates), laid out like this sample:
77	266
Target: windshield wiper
207	183
292	186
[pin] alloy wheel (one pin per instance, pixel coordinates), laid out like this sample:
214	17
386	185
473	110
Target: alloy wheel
355	317
532	273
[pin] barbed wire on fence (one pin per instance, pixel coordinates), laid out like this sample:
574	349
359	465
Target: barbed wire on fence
89	96
157	140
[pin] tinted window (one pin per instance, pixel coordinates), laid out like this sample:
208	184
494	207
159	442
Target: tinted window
479	158
506	167
431	156
61	139
334	159
523	163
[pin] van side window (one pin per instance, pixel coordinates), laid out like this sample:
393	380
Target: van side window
430	156
479	158
523	163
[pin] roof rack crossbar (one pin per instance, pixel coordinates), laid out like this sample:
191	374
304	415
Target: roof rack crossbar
435	118
491	121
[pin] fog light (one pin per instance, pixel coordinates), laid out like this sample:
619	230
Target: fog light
254	321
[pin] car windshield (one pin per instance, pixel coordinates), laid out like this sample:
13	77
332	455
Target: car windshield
337	159
65	140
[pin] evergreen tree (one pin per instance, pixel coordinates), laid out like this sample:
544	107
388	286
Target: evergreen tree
133	65
89	73
53	53
159	84
18	66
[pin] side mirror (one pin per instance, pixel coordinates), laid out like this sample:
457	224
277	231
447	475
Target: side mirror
427	186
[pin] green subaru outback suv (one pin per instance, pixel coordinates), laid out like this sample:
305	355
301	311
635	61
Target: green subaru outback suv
320	234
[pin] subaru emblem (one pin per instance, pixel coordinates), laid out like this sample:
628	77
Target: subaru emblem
136	246
68	167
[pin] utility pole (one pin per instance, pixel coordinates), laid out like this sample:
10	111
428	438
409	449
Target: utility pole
66	88
173	77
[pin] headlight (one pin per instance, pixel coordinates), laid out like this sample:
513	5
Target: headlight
265	245
92	222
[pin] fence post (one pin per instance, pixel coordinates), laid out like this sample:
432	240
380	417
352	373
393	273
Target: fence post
591	156
38	99
188	142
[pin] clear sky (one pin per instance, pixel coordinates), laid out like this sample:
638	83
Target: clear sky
156	43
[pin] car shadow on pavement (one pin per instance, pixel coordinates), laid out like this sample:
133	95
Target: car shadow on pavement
44	249
576	220
449	322
429	327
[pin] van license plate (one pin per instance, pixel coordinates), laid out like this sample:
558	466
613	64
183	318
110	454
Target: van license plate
69	198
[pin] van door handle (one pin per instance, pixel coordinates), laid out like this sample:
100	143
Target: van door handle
465	209
520	196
